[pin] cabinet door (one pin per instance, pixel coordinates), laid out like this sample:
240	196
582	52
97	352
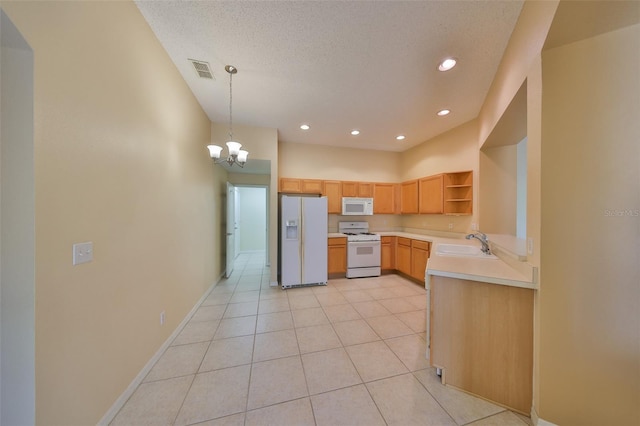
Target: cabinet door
419	259
337	258
387	253
311	186
403	259
291	185
332	189
349	189
431	195
365	189
383	198
409	197
357	189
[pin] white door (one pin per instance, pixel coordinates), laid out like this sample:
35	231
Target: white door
231	228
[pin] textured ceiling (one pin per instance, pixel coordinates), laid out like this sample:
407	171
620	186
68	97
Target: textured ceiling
339	66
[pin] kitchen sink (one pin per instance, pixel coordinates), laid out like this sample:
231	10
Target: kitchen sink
462	250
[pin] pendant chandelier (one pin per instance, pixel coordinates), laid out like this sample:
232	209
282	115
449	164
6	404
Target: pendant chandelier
236	155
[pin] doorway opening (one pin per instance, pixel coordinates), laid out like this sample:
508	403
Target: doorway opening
251	215
17	228
247	224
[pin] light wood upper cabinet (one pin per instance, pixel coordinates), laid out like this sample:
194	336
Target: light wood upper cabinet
446	193
311	186
431	195
384	198
409	197
349	189
290	185
357	189
365	189
303	186
332	189
458	193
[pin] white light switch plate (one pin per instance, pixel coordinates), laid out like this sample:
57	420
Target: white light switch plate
82	253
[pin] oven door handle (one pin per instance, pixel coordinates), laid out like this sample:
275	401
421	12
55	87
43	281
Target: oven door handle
364	243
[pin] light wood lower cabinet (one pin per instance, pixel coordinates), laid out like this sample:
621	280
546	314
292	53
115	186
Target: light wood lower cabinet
412	257
419	257
388	253
482	338
403	255
337	255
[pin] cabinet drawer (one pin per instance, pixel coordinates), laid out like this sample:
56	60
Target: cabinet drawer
420	244
387	240
404	241
338	241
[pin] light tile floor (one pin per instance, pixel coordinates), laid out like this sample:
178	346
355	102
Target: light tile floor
349	353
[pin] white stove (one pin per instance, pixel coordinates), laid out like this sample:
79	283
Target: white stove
363	249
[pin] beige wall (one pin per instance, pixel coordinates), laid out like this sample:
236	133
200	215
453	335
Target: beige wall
498	189
119	161
590	297
325	162
262	144
525	45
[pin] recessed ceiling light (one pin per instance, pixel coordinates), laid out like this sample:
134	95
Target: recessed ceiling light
447	64
443	112
355	132
400	137
304	127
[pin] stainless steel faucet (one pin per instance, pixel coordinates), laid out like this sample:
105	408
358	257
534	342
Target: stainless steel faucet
483	240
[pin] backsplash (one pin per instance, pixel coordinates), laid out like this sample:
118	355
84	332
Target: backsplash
377	222
409	223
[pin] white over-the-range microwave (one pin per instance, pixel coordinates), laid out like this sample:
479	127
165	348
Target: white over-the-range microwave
353	206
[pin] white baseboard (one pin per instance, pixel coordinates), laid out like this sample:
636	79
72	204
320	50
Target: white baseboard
124	397
537	421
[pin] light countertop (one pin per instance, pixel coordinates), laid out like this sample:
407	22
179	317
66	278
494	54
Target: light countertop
494	271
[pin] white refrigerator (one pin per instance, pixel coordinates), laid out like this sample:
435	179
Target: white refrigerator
303	241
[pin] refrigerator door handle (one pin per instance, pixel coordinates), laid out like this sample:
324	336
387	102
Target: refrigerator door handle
302	239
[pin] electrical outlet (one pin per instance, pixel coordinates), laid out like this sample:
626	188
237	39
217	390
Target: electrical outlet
450	226
530	245
82	253
162	318
474	226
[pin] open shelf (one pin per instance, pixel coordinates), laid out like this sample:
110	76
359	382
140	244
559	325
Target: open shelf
458	193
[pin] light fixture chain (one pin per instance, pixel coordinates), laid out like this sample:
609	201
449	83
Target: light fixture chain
230	106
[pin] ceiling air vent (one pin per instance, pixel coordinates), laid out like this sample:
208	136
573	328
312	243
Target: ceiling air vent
202	68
